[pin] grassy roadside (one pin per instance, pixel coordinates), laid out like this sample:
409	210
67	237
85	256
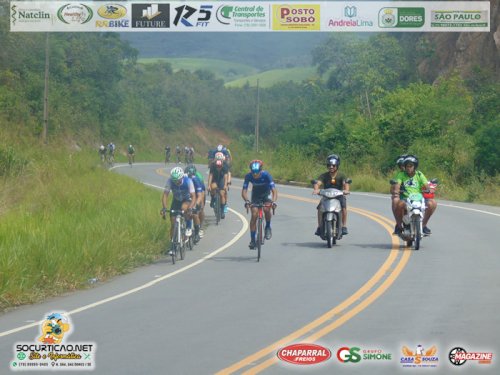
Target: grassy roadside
66	220
289	164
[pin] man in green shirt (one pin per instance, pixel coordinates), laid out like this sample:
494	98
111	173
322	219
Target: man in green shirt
411	181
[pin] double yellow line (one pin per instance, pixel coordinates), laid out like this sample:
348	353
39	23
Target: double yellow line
357	302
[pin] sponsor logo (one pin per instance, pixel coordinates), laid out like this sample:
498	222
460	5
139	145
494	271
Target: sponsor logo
350	19
296	17
242	16
420	357
458	356
459	18
75	14
191	17
346	354
50	351
29	15
114	14
304	354
376	355
112	11
401	17
151	16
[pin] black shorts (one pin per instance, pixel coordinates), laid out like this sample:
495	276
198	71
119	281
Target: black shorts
177	205
260	199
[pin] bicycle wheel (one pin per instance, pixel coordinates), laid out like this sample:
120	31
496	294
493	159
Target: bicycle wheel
182	240
217	208
175	243
259	237
190	242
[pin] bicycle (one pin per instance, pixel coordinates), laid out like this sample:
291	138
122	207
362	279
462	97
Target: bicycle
216	206
131	158
260	223
111	160
178	243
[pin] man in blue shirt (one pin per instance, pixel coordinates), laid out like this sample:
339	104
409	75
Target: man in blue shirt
262	187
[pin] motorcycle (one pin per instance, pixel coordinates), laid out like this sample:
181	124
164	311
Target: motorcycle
331	222
412	232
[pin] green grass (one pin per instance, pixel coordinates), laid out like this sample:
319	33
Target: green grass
223	69
75	221
271	77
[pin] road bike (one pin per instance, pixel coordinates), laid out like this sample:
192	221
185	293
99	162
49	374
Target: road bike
179	238
111	160
259	235
216	206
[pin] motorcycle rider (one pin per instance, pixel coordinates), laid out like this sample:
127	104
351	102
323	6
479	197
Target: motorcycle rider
336	180
395	197
413	181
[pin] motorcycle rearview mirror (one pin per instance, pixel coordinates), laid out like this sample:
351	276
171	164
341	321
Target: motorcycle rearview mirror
313	182
348	181
434	181
393	182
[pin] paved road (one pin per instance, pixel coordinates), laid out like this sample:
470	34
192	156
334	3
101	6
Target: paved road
219	311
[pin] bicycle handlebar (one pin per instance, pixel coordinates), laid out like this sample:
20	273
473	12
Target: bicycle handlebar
261	205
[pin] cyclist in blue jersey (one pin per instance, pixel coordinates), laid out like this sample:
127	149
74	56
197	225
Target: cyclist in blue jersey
263	191
198	210
184	197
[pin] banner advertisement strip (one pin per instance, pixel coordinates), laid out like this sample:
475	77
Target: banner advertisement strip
248	16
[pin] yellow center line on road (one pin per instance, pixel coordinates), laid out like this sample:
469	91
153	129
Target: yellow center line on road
342	310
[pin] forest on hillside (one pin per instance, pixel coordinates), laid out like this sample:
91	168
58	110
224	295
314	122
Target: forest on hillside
369	105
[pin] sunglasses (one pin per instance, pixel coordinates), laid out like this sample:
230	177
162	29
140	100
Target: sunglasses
331	165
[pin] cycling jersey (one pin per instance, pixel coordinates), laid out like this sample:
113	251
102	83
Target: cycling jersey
261	186
218	175
411	185
131	150
198	185
202	181
182	192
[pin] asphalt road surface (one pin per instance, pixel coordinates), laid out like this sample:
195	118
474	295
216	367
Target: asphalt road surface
220	311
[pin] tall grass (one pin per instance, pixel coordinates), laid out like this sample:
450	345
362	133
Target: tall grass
290	164
76	222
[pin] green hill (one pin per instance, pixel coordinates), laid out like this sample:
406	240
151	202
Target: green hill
226	70
270	77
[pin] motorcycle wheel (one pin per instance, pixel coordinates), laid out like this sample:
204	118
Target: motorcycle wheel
418	235
328	234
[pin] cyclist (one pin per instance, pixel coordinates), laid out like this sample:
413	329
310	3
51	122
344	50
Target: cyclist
131	154
217	178
178	154
184	198
413	181
262	187
198	210
167	154
336	180
111	152
102	153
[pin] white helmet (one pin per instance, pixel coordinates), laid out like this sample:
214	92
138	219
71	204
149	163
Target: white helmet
219	156
176	173
220	148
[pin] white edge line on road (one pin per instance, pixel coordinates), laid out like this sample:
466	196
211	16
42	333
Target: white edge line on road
151	283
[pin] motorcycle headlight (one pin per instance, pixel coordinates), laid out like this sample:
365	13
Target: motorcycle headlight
416	204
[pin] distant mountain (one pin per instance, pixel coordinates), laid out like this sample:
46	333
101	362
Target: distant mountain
261	50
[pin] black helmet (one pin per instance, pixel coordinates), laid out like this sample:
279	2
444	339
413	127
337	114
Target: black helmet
411	159
190	170
400	159
333	159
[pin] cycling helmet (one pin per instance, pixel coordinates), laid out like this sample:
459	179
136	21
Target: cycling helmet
176	173
220	148
219	156
333	160
400	159
256	166
190	170
411	159
218	163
